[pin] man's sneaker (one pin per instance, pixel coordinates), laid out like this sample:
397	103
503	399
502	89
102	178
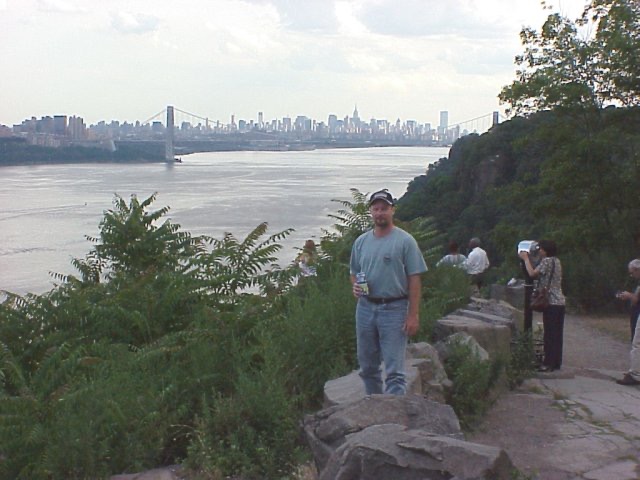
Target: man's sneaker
627	380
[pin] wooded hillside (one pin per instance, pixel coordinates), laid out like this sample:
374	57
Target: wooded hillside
566	167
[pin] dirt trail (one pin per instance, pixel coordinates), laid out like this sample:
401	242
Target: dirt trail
533	425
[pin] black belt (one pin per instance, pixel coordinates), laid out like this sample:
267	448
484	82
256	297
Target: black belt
384	301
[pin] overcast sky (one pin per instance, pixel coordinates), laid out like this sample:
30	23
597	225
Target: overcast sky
128	59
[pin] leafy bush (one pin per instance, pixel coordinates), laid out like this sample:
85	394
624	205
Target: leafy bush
160	350
472	380
313	336
523	359
445	289
106	373
253	432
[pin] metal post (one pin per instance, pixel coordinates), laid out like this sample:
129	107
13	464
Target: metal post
528	289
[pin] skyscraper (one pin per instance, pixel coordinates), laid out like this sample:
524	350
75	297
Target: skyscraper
60	124
444	120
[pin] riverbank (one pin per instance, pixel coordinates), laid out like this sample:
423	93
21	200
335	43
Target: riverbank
15	151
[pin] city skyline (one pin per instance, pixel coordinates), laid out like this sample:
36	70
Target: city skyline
63	130
407	59
260	120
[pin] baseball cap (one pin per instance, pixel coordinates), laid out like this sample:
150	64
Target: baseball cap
381	195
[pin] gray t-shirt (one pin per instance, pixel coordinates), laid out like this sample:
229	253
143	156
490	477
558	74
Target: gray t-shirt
387	261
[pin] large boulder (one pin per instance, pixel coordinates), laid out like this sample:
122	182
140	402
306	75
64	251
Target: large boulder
495	339
396	452
501	308
327	429
426	351
432	375
445	346
512	294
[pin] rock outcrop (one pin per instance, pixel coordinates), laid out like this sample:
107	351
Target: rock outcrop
396	452
328	429
418	436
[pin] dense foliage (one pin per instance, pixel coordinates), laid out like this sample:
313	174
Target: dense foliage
16	151
568	169
168	348
473	379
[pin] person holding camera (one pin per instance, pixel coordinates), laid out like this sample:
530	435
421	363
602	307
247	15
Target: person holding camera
632	297
549	272
632	377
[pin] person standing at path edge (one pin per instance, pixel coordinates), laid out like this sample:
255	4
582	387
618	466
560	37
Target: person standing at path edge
477	263
632	377
549	273
387	314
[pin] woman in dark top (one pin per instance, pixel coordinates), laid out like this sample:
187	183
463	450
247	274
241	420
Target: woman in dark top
549	272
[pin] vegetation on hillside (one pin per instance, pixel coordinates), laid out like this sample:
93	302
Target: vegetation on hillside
167	348
16	151
567	168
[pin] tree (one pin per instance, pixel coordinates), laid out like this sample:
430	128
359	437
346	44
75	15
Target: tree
617	43
586	71
565	67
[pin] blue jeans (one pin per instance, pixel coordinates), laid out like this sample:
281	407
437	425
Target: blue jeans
380	337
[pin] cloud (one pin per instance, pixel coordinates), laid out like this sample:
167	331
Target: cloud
133	23
60	6
314	16
420	18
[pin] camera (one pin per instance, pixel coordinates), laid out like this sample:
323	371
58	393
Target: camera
530	246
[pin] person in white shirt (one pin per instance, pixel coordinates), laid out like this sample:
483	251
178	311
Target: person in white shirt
477	263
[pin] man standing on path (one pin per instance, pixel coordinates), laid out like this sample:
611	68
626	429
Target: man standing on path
477	263
632	377
632	297
387	314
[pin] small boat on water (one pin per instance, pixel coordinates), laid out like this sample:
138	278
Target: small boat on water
300	147
178	159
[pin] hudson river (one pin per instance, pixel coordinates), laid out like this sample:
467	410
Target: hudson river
46	210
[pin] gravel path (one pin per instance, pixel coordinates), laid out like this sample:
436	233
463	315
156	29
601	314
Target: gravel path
586	348
529	422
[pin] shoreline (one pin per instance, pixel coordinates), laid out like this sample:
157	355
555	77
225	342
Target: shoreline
222	148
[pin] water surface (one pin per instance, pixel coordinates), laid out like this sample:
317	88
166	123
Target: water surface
46	210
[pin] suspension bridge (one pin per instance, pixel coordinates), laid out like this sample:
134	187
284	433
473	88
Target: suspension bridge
176	120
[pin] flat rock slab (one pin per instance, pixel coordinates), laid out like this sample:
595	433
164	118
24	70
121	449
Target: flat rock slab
592	427
489	318
602	401
350	387
624	470
606	426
